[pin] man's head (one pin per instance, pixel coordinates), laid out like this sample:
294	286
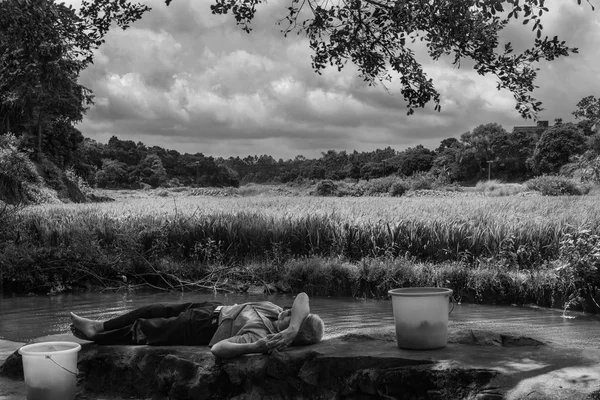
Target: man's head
311	330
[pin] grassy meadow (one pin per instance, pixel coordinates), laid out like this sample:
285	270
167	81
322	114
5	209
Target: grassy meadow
510	249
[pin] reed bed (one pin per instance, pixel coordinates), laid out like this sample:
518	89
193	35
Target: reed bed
203	239
431	229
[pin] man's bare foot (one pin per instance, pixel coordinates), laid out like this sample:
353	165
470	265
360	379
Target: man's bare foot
78	334
85	328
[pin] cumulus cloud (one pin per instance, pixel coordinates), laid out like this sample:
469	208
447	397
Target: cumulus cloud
187	80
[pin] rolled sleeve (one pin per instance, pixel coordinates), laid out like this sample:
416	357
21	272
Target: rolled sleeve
247	337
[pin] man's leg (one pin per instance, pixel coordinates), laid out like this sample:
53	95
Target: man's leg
168	310
119	330
85	328
194	326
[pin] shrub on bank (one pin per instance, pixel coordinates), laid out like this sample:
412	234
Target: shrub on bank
379	186
397	189
578	267
326	188
24	182
421	181
20	182
556	185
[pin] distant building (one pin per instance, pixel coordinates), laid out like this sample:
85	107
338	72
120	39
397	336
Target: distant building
532	130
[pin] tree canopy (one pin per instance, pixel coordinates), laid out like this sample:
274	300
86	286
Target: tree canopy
42	51
44	46
588	108
555	146
377	36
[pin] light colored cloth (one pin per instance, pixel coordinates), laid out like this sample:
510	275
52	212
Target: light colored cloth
247	323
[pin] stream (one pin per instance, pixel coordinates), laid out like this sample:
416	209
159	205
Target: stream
25	318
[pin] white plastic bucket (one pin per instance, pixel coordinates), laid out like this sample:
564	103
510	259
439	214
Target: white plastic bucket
421	316
50	370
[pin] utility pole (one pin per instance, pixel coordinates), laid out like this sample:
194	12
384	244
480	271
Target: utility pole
489	169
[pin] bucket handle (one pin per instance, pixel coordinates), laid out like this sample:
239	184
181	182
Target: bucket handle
453	305
68	370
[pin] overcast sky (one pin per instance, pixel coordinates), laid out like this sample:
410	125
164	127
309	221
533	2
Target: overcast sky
184	79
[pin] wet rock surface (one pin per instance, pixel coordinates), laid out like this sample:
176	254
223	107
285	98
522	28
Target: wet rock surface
363	364
486	338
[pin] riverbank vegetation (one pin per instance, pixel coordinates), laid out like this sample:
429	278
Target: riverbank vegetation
511	249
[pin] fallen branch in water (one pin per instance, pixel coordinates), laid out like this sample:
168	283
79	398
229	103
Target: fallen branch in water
181	284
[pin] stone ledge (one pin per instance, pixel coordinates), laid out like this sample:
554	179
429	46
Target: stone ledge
362	364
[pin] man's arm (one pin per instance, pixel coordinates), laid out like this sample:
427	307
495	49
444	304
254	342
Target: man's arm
300	310
279	341
227	349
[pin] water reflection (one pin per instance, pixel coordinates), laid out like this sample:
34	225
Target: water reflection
25	318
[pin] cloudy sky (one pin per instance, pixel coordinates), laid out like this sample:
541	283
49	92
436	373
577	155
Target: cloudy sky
184	79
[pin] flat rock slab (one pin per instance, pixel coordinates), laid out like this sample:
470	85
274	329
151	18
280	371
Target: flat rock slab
362	364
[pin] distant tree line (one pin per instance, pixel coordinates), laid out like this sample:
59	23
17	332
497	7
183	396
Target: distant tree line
486	150
126	164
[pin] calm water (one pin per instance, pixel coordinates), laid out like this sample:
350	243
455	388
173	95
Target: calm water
26	318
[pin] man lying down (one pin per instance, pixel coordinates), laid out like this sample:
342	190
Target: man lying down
230	330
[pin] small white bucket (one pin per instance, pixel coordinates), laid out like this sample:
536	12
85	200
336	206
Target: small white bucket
421	316
50	370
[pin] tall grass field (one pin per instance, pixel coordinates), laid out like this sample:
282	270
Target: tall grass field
494	249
